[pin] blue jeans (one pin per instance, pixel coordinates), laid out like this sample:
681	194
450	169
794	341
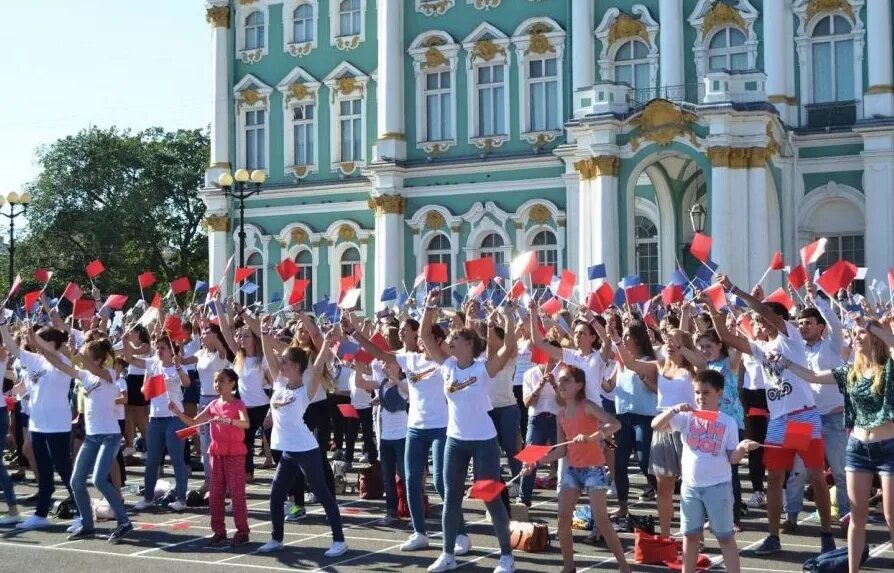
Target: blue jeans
98	452
486	457
635	435
419	443
712	504
51	450
9	493
392	453
162	432
506	420
541	431
835	439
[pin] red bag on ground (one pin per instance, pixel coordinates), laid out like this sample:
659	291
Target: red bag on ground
654	549
403	509
369	482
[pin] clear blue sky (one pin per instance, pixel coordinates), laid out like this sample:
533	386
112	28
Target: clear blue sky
73	63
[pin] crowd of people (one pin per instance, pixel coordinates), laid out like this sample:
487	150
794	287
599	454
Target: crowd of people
689	387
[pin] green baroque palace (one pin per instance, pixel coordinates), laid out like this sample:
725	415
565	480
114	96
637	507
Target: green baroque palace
394	133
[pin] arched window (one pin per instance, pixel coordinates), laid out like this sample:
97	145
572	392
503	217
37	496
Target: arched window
632	65
438	251
254	31
303	23
349	259
832	52
727	51
545	245
647	254
492	246
305	262
349	18
256	261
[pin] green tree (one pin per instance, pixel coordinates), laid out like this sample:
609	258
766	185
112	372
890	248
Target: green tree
127	199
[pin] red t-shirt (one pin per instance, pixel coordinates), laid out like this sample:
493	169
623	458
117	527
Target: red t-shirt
226	440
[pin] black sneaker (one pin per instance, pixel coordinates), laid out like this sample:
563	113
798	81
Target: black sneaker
768	546
827	543
648	495
120	532
82	533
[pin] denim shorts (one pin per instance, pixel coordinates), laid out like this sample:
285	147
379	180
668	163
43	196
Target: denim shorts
592	478
870	457
712	504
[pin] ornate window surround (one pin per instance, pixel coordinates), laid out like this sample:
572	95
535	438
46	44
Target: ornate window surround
809	13
342	235
335	37
538	38
299	87
710	17
293	239
617	27
484	4
482	51
243	10
256	242
819	196
486	219
433	220
434	51
534	216
251	94
346	82
434	7
290	46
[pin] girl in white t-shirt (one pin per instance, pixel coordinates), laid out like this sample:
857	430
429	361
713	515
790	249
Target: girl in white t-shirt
470	431
393	393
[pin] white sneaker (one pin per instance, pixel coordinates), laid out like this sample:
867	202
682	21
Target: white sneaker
177	505
9	520
310	499
128	452
758	499
337	549
416	542
443	563
75	525
143	504
612	492
506	564
462	545
270	546
34	522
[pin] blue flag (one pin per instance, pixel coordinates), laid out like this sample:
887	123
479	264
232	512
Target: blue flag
402	299
249	287
620	297
630	281
201	286
332	312
457	298
321	306
503	271
679	278
704	274
596	272
347	347
276	297
389	293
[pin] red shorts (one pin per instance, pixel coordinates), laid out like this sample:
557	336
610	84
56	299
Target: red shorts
784	458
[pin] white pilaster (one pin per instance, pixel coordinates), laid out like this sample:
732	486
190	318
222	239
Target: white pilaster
759	220
878	180
729	228
391	138
218	226
670	42
583	44
572	225
775	62
879	97
603	227
218	16
389	206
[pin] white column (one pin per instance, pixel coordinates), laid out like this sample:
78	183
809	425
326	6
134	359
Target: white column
670	42
389	238
218	15
597	216
878	180
729	202
759	221
391	138
777	53
583	44
572	222
879	98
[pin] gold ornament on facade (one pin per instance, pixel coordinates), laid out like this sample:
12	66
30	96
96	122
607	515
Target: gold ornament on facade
434	58
593	167
347	42
626	26
218	16
251	57
538	214
539	44
346	233
818	6
299	92
661	121
283	244
393	135
772	144
299	171
486	4
216	223
435	7
247	2
347	167
487	50
387	204
300	50
722	14
251	97
738	157
434	220
347	85
298	235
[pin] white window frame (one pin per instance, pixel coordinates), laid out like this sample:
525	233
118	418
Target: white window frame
252	56
804	42
299	83
747	15
256	242
608	52
251	94
474	60
290	44
529	47
418	223
337	247
432	52
526	228
728	51
486	219
648	210
341	91
434	7
448	253
293	239
336	38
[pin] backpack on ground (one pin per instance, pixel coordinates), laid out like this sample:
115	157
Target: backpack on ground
339	476
529	536
834	561
369	482
403	509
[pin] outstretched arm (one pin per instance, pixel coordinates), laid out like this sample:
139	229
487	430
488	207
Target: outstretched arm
428	316
756	305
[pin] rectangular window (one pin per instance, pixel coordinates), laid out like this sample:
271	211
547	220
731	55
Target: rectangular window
823	88
848	247
844	70
543	92
303	132
438	112
351	135
491	119
255	140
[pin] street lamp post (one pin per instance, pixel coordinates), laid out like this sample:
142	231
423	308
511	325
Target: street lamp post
14	198
241	185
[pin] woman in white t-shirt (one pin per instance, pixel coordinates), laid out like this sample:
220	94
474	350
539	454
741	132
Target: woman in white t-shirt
137	409
470	431
362	386
102	437
392	393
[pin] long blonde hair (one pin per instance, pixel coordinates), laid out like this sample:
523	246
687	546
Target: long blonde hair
685	340
873	362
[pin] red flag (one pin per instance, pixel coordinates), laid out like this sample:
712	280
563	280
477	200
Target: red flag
672	294
349	299
212	291
532	454
716	296
180	285
566	284
15	287
486	489
287	269
542	275
187	432
476	291
776	263
812	252
357	273
518	289
637	294
838	276
779	295
701	247
539	356
30	299
146	280
746	326
758	412
797	277
94	269
84	309
116	301
891	280
72	292
523	264
348	411
552	306
797	435
346	283
482	269
42	276
706	415
594	303
242	273
436	273
380	341
154	386
298	291
156	301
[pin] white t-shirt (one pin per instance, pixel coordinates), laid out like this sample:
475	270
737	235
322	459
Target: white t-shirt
360	398
522	363
500	389
392	425
251	382
428	407
673	391
50	409
158	406
121	383
209	363
342	379
189	350
100	416
786	392
754	373
826	355
134	370
469	402
546	402
287	407
596	370
706	448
